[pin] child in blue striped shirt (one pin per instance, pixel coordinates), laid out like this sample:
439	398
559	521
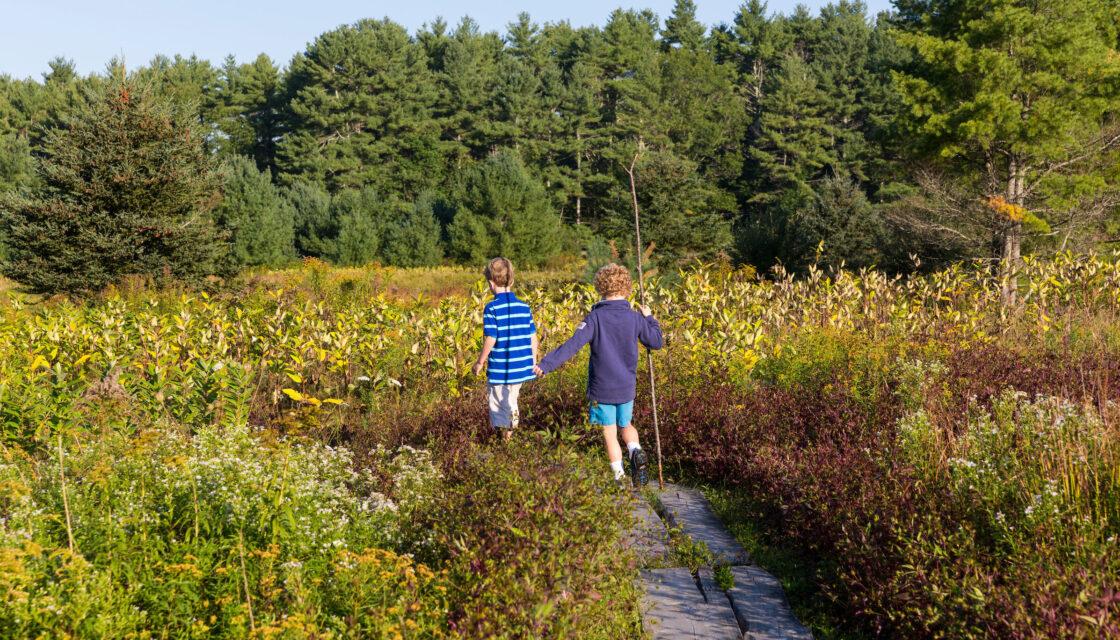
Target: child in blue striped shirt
509	346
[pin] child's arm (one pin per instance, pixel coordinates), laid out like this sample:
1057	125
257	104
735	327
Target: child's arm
564	352
649	332
488	343
536	346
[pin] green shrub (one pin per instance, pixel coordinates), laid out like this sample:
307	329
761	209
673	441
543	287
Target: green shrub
224	531
530	536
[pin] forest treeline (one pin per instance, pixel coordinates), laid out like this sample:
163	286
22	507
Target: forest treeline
944	129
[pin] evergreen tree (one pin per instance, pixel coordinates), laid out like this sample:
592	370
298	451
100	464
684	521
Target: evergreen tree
1015	93
794	144
126	189
840	220
412	238
244	106
466	71
182	81
17	166
360	112
316	229
260	222
361	216
501	208
681	212
682	29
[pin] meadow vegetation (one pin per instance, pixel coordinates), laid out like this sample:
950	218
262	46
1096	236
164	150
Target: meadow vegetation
304	454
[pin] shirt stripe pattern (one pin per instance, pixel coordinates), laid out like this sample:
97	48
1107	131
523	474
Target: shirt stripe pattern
510	322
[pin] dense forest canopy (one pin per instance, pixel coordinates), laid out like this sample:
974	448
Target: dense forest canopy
945	129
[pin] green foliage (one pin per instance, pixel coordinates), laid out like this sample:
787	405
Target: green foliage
361	219
244	105
1012	95
316	231
502	210
538	517
359	112
218	531
681	214
17	166
260	222
126	189
412	238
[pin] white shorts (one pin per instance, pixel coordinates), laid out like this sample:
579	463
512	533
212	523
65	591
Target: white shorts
503	405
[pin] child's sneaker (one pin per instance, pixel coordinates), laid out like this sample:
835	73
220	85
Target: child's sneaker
639	467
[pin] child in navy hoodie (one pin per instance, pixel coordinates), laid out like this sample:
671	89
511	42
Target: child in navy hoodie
614	330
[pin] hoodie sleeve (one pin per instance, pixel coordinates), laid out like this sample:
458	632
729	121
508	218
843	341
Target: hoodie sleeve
649	332
564	352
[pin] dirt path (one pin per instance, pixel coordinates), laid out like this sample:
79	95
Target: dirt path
682	604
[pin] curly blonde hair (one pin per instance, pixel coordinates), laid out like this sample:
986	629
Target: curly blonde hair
613	280
499	271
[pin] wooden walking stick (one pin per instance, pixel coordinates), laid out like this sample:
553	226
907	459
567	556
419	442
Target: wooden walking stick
642	294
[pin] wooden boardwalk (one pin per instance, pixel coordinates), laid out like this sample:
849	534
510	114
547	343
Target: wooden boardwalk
679	604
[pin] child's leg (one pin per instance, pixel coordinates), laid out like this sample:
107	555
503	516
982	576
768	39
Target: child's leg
512	394
630	436
639	464
603	415
499	409
610	438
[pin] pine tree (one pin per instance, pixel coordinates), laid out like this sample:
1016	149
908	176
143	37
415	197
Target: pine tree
794	145
182	81
682	28
1015	92
412	237
466	71
126	189
682	214
361	216
244	106
17	166
316	229
360	112
502	208
259	221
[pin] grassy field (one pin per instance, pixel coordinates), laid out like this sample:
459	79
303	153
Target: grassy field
305	454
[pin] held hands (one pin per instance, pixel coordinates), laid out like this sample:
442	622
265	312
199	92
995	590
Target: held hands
537	370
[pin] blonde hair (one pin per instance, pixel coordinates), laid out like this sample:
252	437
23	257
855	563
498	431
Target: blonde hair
613	280
499	271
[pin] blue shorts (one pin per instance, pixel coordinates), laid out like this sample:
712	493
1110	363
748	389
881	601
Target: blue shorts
611	415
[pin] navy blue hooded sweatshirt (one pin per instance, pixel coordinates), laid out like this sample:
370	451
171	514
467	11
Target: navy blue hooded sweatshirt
614	330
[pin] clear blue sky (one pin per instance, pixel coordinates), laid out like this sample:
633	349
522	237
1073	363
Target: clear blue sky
92	31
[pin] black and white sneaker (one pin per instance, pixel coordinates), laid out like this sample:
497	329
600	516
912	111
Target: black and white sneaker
639	467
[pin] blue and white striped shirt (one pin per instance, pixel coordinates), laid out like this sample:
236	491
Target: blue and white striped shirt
510	322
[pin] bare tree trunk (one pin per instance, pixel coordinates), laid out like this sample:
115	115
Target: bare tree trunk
579	172
1011	250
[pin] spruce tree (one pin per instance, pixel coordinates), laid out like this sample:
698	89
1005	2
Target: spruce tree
260	222
126	189
682	214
